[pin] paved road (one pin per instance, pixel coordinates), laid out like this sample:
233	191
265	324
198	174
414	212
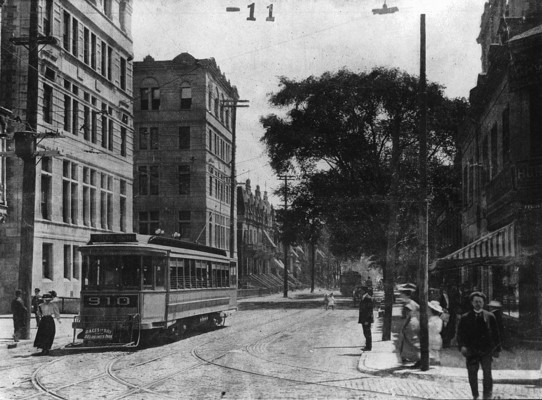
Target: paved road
273	348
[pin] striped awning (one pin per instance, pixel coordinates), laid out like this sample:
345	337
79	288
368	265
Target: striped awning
500	243
278	263
266	235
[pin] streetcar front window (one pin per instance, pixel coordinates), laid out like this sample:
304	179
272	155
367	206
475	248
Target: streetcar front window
113	271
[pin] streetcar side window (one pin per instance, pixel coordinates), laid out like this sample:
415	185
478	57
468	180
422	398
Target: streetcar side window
147	276
159	267
209	274
199	278
193	275
187	274
173	274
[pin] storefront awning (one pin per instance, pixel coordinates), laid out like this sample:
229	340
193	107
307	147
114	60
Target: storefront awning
501	243
278	263
266	235
320	253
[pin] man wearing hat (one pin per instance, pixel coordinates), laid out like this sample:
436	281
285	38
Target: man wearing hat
366	317
479	341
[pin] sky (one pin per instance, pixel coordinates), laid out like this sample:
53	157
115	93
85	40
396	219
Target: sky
307	37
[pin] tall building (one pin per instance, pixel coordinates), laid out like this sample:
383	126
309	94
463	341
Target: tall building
85	101
501	147
183	150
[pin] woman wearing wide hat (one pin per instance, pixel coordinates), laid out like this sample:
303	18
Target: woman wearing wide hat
409	339
46	329
434	326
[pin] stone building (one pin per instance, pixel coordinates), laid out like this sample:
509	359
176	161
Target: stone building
501	147
85	101
183	150
258	250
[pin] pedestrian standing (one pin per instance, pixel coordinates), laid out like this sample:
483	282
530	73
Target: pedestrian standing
409	338
19	311
36	301
326	301
479	341
434	325
366	317
331	301
46	329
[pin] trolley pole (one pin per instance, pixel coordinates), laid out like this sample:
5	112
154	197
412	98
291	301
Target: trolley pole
423	216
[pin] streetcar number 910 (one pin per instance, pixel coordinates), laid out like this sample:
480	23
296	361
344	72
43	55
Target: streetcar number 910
110	301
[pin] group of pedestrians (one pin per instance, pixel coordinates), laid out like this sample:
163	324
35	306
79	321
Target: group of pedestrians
45	310
478	334
329	301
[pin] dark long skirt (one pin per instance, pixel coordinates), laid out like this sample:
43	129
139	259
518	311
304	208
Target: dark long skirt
46	333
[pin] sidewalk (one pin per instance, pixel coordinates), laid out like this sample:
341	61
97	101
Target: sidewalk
63	336
384	360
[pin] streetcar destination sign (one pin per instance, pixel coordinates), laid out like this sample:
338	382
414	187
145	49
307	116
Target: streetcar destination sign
112	300
99	334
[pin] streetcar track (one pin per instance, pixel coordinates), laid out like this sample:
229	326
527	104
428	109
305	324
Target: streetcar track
109	372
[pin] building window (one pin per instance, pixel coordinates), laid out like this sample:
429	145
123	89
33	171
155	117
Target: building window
122	73
47	104
186	96
184	137
217	100
106	201
148	222
494	152
69	192
86	45
107	7
122	15
123	132
150	97
148	180
75	37
93	51
143	138
48	18
66	31
67	261
184	224
104	59
184	179
75	262
46	193
86	196
47	260
148	138
210	98
86	122
222	109
122	205
75	116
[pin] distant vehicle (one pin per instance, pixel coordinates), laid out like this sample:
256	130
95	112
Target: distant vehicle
385	9
138	287
348	282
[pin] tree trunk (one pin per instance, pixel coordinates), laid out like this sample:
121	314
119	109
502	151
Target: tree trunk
313	266
393	231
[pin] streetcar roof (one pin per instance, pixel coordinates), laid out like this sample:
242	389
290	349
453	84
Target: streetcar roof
149	242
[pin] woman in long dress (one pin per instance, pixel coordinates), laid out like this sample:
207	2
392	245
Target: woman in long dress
46	329
409	339
434	325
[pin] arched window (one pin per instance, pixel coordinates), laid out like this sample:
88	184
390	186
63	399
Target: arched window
186	96
149	93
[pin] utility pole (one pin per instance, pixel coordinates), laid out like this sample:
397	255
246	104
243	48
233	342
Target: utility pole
233	104
424	206
25	148
285	244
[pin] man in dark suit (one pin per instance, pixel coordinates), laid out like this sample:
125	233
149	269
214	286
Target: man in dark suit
366	317
479	341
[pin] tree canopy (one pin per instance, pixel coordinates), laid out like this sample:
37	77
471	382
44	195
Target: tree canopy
335	133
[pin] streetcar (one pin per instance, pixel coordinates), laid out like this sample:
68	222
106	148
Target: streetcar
138	287
348	282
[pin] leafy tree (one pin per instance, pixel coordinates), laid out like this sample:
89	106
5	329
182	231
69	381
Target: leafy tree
352	138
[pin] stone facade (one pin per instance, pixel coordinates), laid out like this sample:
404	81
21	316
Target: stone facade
259	250
85	99
183	149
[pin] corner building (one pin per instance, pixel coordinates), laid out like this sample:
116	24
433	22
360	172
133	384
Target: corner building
85	98
183	150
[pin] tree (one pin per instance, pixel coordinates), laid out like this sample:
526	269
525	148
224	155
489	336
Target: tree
352	140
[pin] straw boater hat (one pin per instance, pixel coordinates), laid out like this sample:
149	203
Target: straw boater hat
435	305
477	294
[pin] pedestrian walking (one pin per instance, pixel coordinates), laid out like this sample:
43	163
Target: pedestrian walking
326	301
46	329
479	341
331	301
36	301
366	317
19	312
409	339
434	325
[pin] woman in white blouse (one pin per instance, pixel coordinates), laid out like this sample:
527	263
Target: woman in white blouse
47	311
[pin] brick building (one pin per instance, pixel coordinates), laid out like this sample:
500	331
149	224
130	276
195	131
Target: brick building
183	150
501	147
85	97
